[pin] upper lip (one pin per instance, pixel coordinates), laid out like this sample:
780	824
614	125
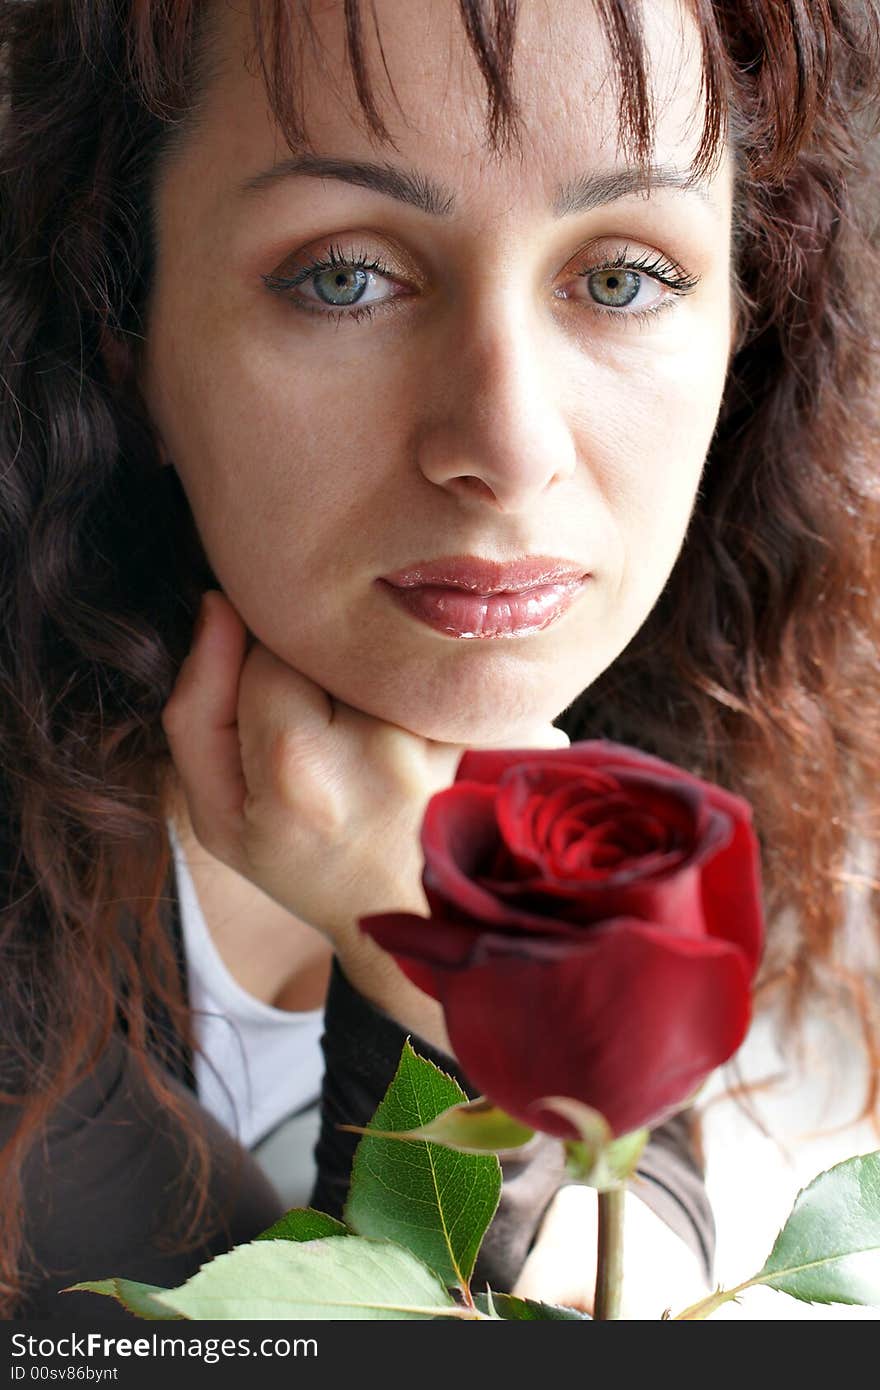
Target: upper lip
487	576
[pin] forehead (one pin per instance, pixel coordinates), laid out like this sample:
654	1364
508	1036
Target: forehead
431	95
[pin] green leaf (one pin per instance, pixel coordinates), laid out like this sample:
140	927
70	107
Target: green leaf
828	1251
137	1298
329	1278
473	1127
436	1202
512	1309
304	1223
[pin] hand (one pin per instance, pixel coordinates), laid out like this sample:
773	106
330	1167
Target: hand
317	803
659	1270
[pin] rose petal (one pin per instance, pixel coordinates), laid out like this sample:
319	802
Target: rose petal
458	832
687	1007
732	893
683	821
676	902
524	791
420	946
487	765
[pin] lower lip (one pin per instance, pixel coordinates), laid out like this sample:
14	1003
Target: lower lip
460	614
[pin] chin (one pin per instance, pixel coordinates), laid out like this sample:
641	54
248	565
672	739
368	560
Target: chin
455	720
470	733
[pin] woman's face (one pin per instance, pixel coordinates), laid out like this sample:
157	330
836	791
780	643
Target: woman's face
539	375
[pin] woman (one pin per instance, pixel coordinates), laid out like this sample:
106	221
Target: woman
277	331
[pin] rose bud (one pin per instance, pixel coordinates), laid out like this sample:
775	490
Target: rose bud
595	929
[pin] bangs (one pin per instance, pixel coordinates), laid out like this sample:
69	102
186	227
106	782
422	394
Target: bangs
182	33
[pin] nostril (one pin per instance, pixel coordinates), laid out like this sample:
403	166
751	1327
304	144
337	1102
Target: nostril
474	484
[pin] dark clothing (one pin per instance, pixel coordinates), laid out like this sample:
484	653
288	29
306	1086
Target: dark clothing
104	1189
100	1195
362	1047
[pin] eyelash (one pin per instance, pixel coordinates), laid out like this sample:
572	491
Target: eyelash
659	267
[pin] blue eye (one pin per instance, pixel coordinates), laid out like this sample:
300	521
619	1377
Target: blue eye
636	286
614	289
340	282
348	286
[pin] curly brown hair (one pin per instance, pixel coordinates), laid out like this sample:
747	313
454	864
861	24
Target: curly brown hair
758	667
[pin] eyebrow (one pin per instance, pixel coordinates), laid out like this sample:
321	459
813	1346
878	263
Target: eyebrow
409	186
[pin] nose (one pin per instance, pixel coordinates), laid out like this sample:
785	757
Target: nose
497	431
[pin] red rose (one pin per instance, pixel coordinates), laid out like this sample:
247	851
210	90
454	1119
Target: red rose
595	928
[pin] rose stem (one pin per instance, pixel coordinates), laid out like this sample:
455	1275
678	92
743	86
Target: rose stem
609	1274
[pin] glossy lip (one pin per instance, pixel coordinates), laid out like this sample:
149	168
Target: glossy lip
487	577
464	615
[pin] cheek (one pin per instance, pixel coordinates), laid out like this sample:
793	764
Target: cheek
264	434
647	434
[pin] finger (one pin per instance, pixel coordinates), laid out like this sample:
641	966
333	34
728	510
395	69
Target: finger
544	736
200	723
446	757
549	737
287	727
304	748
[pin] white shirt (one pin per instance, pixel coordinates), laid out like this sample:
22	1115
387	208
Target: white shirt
261	1065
